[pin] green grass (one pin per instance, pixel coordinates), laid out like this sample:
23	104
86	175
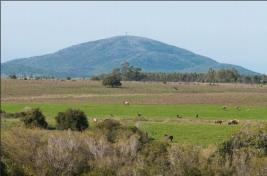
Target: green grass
202	134
161	118
151	112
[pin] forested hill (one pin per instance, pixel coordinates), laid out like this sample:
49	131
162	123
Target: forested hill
101	56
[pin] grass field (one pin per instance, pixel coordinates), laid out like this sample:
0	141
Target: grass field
136	92
161	119
201	134
150	112
158	103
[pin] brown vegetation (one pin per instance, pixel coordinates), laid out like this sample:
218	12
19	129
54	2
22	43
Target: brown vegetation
134	92
130	152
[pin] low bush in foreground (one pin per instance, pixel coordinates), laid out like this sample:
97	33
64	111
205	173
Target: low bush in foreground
73	119
131	152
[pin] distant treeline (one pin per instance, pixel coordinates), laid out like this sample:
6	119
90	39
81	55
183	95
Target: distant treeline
130	73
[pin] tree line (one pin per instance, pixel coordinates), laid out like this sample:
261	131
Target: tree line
128	72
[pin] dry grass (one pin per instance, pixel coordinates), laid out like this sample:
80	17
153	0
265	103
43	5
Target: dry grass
135	92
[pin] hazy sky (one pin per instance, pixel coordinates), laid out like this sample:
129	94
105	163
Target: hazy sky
229	32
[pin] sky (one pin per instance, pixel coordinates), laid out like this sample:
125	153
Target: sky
229	32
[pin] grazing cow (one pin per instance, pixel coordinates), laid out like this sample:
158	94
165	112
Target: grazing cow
126	103
219	121
233	122
178	116
224	107
94	120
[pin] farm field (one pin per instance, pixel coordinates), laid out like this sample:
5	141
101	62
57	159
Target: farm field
158	103
86	91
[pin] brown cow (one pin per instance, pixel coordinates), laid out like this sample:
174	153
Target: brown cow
219	121
233	122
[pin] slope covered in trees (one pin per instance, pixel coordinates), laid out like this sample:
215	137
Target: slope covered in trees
102	56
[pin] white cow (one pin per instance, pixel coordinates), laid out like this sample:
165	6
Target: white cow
126	103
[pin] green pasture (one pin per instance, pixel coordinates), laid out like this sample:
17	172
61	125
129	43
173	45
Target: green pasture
202	134
161	119
150	112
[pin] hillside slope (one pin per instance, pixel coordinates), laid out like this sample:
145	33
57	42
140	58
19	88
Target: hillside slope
102	56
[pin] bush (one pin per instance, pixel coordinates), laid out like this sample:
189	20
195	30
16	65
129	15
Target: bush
109	124
153	159
73	119
2	113
36	152
3	169
254	138
95	78
112	81
34	118
13	76
186	160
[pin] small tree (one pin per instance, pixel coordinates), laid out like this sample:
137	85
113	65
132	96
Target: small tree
211	76
73	119
112	81
34	118
13	76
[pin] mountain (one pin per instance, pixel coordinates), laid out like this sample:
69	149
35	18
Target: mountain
102	56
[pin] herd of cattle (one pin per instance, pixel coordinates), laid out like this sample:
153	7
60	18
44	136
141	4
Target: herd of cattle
170	138
230	122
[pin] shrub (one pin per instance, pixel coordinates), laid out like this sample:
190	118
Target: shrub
3	169
13	76
20	150
36	152
73	119
109	124
243	153
34	118
186	160
112	81
153	159
95	78
255	138
2	113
